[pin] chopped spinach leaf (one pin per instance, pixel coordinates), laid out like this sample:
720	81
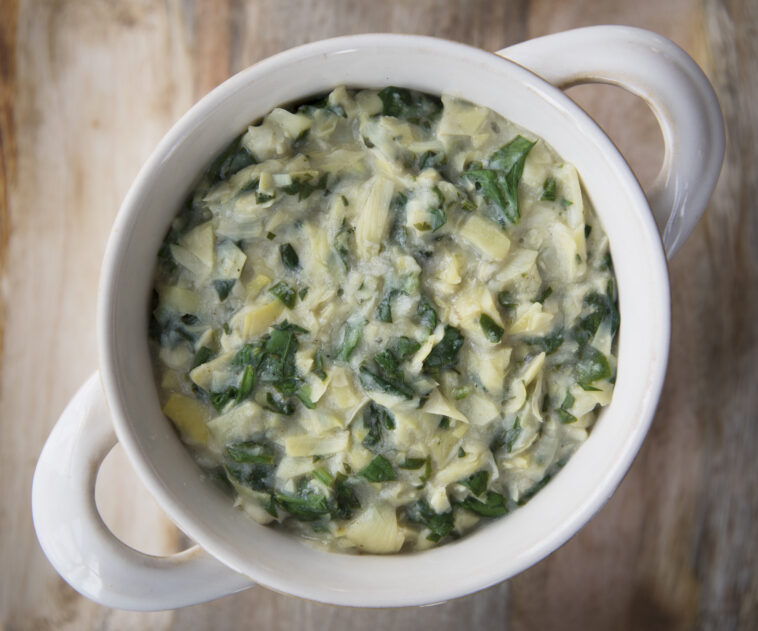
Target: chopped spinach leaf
375	419
409	105
202	355
350	337
439	524
544	295
499	181
190	319
460	393
388	365
245	355
507	301
289	257
591	367
223	287
431	160
277	404
304	507
412	463
547	344
506	438
403	347
563	412
589	323
607	262
323	476
342	243
476	483
282	342
250	452
271	506
384	308
613	310
304	186
170	329
398	233
166	258
321	103
445	352
549	189
427	315
379	470
601	306
345	499
512	434
390	373
487	181
220	399
494	505
372	381
285	293
491	329
234	158
439	218
254	475
304	394
427	470
270	360
246	384
318	365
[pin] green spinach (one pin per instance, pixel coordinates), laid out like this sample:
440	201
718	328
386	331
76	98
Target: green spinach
289	257
476	483
285	293
379	470
440	525
494	505
411	106
491	329
445	352
499	181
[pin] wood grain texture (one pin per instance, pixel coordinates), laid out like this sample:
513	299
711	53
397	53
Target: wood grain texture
87	89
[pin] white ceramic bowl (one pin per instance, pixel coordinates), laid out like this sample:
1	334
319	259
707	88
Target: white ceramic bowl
234	551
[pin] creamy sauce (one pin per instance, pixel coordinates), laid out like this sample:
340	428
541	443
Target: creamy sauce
383	317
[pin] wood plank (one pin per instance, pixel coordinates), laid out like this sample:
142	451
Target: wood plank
86	115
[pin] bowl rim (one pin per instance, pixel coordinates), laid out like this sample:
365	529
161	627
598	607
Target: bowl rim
111	276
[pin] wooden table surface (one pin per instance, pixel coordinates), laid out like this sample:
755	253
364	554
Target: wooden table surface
87	88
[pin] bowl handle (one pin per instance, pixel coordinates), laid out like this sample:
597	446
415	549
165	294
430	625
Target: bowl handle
677	91
79	544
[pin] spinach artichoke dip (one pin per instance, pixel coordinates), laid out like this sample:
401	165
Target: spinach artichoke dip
383	317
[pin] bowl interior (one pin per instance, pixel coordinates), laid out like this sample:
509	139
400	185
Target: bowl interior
505	546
